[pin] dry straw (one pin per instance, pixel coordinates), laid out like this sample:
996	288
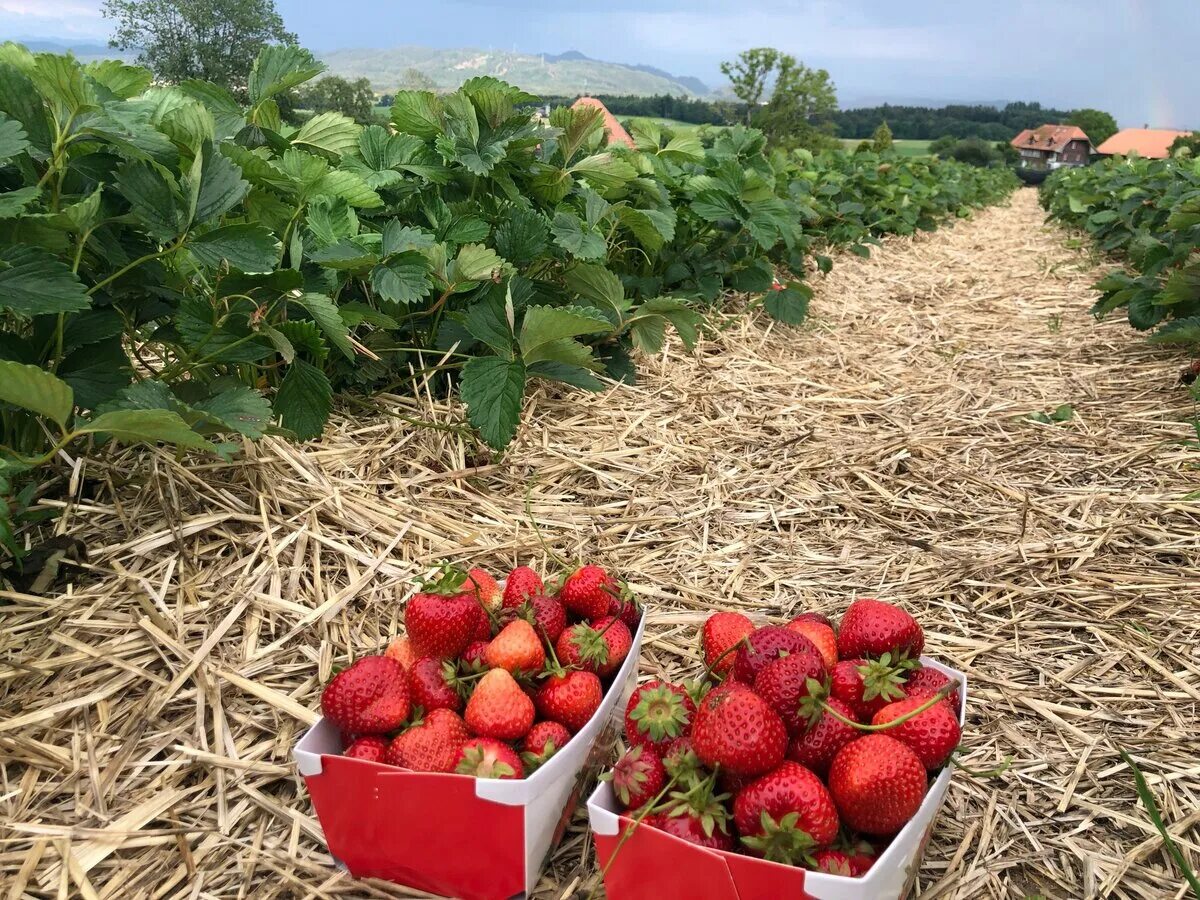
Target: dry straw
147	715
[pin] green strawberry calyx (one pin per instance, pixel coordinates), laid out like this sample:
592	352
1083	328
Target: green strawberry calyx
782	841
660	713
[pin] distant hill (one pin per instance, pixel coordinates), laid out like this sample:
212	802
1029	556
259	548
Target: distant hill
559	74
84	50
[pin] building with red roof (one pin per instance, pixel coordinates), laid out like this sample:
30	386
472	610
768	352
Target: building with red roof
1052	146
615	130
1151	143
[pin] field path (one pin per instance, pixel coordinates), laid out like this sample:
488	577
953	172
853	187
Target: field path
146	718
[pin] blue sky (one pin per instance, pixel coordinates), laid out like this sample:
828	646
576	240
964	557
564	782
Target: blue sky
1135	58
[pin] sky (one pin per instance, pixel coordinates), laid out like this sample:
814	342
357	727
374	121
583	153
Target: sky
1134	58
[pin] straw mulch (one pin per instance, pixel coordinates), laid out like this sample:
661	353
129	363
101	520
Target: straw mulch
147	716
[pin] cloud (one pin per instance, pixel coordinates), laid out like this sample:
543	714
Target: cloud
52	18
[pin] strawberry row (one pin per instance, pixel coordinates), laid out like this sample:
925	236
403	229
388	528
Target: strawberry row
488	681
799	744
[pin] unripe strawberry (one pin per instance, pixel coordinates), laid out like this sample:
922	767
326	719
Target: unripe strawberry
517	648
484	588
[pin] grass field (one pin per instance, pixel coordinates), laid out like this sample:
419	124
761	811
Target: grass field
903	147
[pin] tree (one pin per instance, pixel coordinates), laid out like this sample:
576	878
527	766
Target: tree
943	146
1186	145
416	80
332	93
215	40
1098	125
976	152
882	138
801	103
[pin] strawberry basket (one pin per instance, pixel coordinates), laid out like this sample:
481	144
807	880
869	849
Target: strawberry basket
455	835
641	856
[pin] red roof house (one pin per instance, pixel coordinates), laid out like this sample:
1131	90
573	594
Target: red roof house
615	130
1051	146
1151	143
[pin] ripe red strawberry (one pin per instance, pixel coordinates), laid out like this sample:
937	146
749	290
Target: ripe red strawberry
588	591
473	655
400	649
522	583
866	686
862	857
372	748
498	708
430	744
927	681
765	644
637	777
871	628
570	698
543	741
516	648
370	696
735	784
816	746
484	588
483	626
691	827
932	734
786	682
547	616
820	633
657	713
877	783
786	814
735	729
720	633
442	626
832	862
486	758
600	647
627	607
429	688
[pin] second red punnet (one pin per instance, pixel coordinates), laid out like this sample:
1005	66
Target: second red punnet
487	681
800	743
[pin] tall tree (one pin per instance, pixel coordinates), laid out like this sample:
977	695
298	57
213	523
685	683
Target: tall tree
332	93
216	40
748	75
801	102
1098	125
882	138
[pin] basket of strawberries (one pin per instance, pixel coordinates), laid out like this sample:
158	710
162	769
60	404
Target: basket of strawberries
451	762
804	763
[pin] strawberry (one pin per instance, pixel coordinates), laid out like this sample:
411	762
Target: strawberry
721	632
517	648
871	628
486	758
430	744
820	633
832	862
657	713
400	649
587	592
735	729
547	616
637	777
483	625
786	814
877	783
698	816
765	644
690	827
473	655
372	748
627	608
483	587
734	784
817	745
442	626
866	686
571	698
788	680
681	762
498	708
927	681
428	686
862	857
522	583
543	741
370	696
932	734
600	647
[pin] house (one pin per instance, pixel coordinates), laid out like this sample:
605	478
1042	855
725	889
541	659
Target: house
615	130
1052	146
1151	143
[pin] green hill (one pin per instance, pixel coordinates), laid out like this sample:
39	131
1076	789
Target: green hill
543	74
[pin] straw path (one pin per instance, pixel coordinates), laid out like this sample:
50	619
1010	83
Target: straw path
147	716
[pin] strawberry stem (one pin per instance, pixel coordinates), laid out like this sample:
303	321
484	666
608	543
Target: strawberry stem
949	688
637	820
980	773
709	670
537	530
